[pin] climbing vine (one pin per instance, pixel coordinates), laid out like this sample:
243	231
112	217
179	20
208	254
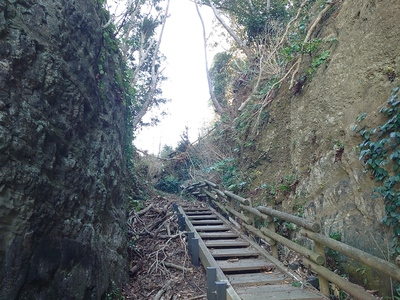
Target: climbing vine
380	153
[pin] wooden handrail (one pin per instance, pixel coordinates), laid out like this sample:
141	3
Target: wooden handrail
237	198
310	230
372	261
211	184
319	259
351	288
290	218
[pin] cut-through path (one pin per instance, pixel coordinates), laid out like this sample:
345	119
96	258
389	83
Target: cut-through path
248	269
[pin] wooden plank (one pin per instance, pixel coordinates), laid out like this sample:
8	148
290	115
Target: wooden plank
256	279
195	209
245	265
212	228
233	253
276	292
208	261
225	243
203	217
207	222
218	235
197	213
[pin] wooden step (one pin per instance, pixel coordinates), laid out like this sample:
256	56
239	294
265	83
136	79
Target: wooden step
206	222
197	213
196	209
245	265
276	292
212	228
226	243
203	217
256	279
218	235
233	253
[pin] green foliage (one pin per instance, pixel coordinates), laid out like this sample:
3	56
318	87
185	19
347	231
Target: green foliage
166	151
380	153
269	192
296	284
257	20
318	60
229	170
298	206
114	293
135	205
288	184
297	47
137	36
168	184
284	228
220	73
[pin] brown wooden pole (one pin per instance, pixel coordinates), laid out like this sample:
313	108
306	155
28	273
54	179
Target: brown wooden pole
274	248
258	233
351	288
323	282
292	245
290	218
237	198
221	207
372	261
211	184
250	215
209	194
257	213
242	217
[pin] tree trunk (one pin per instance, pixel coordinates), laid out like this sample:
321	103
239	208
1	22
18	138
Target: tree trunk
218	108
241	44
154	74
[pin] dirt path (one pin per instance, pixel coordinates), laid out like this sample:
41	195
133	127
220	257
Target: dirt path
156	246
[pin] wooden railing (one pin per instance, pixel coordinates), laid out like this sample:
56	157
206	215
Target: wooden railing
239	208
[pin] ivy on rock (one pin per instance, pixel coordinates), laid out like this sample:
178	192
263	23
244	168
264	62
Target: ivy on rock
380	153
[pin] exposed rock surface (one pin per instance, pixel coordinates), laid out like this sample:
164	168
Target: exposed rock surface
308	130
62	162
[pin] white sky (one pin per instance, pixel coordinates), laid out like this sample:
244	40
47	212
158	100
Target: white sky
186	87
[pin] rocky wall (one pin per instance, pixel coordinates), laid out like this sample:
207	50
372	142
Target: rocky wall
62	164
310	132
354	80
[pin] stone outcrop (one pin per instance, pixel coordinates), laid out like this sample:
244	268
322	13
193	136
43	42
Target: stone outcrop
312	134
62	164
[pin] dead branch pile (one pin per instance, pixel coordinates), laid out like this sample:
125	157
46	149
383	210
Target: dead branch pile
160	267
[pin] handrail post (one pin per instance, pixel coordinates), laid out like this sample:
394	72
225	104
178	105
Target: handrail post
250	215
274	248
323	282
211	273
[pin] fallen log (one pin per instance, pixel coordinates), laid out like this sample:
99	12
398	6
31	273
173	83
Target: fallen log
171	265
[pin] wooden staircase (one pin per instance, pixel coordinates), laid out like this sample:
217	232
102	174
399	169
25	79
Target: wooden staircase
252	274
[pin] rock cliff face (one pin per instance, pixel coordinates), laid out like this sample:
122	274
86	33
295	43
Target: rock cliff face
311	133
62	164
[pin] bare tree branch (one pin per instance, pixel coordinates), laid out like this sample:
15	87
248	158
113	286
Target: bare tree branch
242	45
154	75
308	36
218	107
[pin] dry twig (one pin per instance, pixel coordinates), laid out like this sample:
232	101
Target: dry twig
144	210
171	265
308	36
166	287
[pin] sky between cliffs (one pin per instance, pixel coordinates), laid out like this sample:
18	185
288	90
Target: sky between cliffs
186	87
